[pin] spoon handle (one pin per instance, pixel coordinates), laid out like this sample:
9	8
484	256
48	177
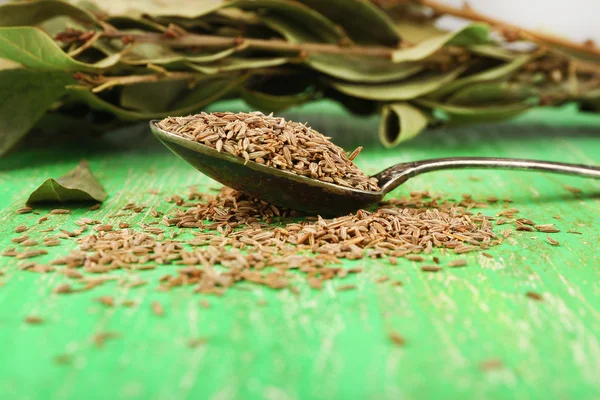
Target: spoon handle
396	175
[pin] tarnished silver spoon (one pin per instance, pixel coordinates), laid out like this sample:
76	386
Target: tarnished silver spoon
315	197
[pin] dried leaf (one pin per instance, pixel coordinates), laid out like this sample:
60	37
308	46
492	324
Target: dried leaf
364	22
403	90
33	48
26	96
469	35
400	122
78	184
34	12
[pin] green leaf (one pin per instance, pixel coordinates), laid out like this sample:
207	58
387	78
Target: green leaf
501	72
136	9
364	22
467	36
150	53
348	67
403	90
237	64
314	25
362	69
34	12
33	48
76	185
26	96
476	114
204	93
400	122
268	103
152	97
485	94
494	51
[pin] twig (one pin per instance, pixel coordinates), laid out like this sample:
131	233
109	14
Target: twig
469	13
210	41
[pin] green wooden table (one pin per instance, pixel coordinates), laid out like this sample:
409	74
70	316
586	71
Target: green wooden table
470	332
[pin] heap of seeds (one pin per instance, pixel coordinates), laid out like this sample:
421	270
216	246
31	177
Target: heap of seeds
240	239
275	142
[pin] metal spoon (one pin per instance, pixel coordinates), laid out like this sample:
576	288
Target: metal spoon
312	196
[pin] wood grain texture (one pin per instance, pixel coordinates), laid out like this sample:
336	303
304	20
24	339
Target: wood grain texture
470	332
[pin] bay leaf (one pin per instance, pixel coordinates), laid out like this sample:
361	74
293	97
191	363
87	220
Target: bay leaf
500	72
77	185
33	48
315	25
26	96
152	97
364	22
150	53
354	68
467	36
492	93
403	90
268	103
23	13
400	122
204	93
237	63
138	8
464	114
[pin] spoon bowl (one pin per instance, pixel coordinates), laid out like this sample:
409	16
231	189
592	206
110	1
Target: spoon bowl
312	196
273	185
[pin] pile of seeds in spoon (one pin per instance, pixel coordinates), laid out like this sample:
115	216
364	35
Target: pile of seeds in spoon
274	142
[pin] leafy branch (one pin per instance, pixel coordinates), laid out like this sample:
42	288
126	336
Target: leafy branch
387	59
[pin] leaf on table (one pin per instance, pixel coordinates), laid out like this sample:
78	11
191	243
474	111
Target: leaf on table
35	12
403	90
364	22
26	96
400	122
500	72
76	185
33	48
467	36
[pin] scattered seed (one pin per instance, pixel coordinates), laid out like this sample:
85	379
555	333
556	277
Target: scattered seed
487	255
157	309
575	232
431	268
101	338
19	239
20	228
491	364
196	342
106	300
345	287
457	263
33	320
60	211
572	189
95	207
397	338
552	241
534	296
24	210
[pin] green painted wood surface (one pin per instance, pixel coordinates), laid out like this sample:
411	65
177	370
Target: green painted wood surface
326	344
